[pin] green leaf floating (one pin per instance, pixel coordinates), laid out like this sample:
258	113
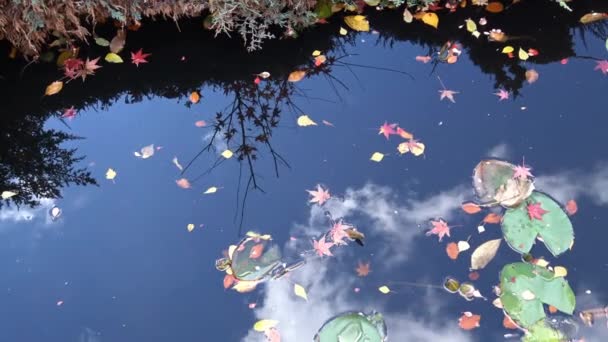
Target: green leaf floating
554	227
525	287
541	332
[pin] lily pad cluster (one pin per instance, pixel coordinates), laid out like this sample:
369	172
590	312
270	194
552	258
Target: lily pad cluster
529	215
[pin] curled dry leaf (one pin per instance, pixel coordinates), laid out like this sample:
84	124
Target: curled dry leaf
483	254
470	208
452	250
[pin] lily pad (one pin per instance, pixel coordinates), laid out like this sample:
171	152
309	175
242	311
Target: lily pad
517	280
353	326
494	184
554	227
541	332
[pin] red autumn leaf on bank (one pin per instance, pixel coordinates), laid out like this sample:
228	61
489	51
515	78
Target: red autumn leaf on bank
571	207
470	208
139	57
492	218
468	321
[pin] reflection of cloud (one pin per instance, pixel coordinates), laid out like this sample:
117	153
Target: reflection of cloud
394	224
26	214
218	142
89	335
501	151
572	184
379	213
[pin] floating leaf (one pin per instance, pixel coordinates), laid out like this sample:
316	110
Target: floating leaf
560	271
118	42
471	208
64	56
183	183
451	285
264	324
591	17
304	121
177	164
495	184
407	16
531	76
377	157
113	58
471	26
323	9
571	207
463	246
53	88
517	279
110	174
508	323
343	31
190	227
227	154
300	291
523	55
145	152
555	228
8	194
468	321
495	7
452	250
384	289
492	218
428	18
195	97
200	123
542	332
508	49
101	41
211	190
296	76
357	22
483	254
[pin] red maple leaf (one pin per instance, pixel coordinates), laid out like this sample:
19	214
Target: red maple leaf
440	228
319	196
363	269
502	95
88	69
139	57
69	113
535	211
338	232
387	129
322	247
522	172
602	66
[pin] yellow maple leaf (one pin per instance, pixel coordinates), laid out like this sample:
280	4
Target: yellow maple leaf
357	22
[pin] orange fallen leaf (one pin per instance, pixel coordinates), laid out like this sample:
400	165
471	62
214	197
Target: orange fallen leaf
195	97
228	280
183	183
296	76
571	207
495	7
200	123
552	309
468	321
474	275
508	323
471	208
53	88
492	218
531	76
452	250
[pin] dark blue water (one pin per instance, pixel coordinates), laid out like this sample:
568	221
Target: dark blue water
126	268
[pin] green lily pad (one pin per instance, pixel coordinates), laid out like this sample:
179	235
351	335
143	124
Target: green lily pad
555	228
353	326
494	184
524	289
323	9
541	332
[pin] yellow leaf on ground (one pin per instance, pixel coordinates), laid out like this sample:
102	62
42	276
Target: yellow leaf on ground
300	291
296	76
384	289
110	174
357	22
264	325
304	120
113	58
211	190
377	157
227	154
190	227
54	88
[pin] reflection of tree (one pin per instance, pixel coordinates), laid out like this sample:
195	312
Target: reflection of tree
33	163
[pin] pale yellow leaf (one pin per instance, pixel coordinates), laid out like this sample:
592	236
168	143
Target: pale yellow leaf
343	31
300	291
227	154
384	289
541	262
190	227
316	53
211	190
357	22
264	325
296	76
145	152
8	194
463	246
377	157
110	174
304	120
407	16
508	49
53	88
471	26
523	55
560	271
244	286
113	58
231	250
483	254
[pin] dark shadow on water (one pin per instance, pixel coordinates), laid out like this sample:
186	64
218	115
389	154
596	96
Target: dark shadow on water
185	60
